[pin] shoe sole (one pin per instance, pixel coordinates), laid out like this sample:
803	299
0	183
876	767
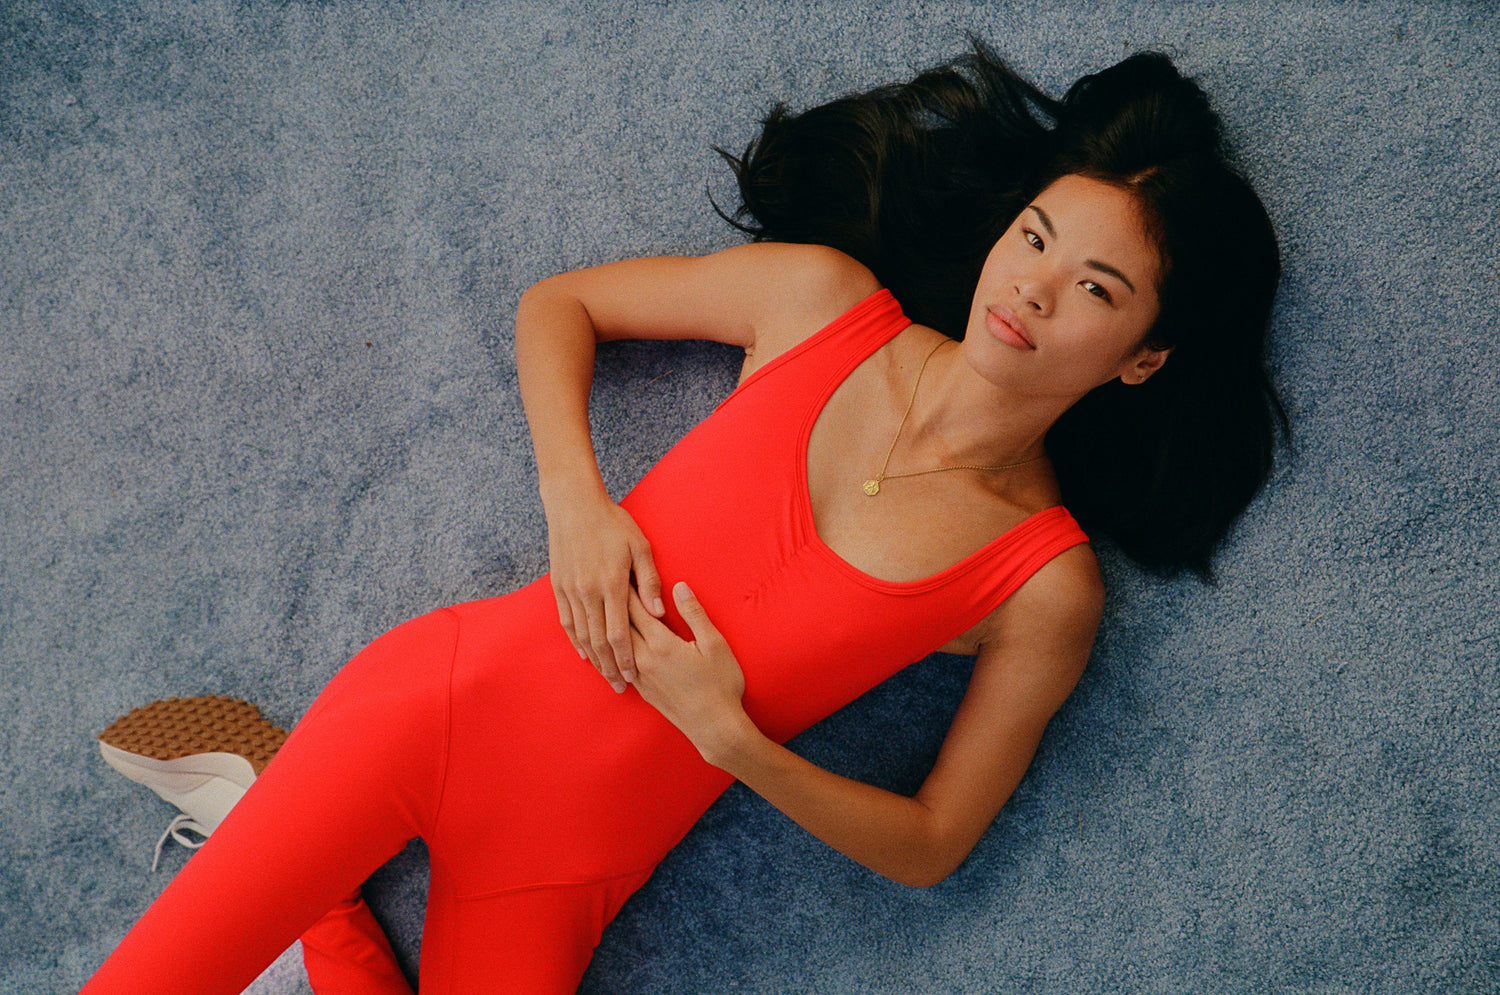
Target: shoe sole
200	754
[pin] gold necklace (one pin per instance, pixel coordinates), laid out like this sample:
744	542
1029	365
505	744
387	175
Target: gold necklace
872	486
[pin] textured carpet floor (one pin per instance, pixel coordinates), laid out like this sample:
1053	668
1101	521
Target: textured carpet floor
258	265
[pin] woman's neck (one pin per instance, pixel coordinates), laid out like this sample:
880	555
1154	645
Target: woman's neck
961	417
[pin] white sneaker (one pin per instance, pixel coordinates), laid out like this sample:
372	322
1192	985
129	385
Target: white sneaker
200	754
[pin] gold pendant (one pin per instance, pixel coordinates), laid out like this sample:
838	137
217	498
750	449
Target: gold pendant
872	487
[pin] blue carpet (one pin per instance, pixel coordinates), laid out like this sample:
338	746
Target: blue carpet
258	267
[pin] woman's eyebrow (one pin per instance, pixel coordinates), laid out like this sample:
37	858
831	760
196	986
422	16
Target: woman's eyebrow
1096	264
1046	221
1106	268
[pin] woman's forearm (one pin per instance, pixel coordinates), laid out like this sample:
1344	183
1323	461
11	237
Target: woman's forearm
699	686
555	366
893	835
597	554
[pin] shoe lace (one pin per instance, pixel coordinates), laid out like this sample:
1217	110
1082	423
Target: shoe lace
177	830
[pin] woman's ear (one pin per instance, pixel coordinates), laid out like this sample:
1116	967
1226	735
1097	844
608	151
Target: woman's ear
1144	363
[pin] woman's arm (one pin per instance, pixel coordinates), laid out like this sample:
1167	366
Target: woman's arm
1025	670
762	298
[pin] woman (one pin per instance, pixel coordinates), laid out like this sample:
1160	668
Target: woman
1090	301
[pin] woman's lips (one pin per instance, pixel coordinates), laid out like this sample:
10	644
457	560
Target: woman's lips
1005	326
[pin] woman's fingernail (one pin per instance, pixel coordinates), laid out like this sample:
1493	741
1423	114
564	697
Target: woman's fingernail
629	676
619	688
658	607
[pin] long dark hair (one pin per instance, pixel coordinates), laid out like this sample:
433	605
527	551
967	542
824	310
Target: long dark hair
918	180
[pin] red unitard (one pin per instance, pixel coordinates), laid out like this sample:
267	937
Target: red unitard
545	798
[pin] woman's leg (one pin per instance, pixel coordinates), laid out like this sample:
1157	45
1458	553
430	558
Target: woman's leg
550	816
201	754
559	798
347	953
526	941
359	776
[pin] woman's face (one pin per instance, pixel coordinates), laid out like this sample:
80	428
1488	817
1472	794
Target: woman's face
1067	295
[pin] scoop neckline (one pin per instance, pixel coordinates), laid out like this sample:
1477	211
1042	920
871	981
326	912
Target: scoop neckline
803	495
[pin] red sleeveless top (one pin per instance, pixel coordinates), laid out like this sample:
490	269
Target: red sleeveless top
728	511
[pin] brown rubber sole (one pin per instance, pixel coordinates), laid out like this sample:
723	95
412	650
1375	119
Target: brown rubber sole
180	727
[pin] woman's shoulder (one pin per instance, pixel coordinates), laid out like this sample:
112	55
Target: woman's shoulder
804	287
1058	607
820	270
1070	582
1061	604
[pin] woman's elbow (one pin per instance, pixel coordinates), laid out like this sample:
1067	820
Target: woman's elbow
931	865
541	292
924	875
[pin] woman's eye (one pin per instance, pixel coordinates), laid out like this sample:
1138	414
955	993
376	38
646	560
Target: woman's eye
1034	239
1097	290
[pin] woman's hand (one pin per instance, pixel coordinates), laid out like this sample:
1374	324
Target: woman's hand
697	685
596	548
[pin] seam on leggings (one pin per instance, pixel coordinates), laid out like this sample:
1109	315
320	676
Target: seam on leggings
447	748
544	885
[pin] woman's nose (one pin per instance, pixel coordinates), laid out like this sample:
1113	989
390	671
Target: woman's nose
1035	293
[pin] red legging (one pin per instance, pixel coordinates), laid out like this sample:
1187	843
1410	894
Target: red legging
347	953
531	846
